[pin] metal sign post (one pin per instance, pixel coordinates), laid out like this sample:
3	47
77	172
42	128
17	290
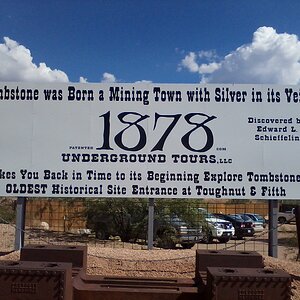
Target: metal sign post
150	223
273	231
20	223
297	216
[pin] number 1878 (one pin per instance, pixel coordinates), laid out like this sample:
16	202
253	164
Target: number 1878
142	135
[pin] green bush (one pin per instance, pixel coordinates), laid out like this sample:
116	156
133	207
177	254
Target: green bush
128	218
122	217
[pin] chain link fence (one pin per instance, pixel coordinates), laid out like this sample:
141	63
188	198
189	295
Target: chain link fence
123	223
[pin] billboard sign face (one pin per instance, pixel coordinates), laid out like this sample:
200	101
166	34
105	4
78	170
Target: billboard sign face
150	140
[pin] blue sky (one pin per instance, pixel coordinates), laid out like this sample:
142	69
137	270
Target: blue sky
166	41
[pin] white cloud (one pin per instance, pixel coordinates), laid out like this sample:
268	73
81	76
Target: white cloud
143	81
271	57
83	79
208	68
16	64
190	62
108	78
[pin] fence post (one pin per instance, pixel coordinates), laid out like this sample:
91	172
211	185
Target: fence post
273	231
20	223
150	223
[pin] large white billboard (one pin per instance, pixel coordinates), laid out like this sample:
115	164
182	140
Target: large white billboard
150	140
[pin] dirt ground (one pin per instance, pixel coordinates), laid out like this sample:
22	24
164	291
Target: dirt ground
127	260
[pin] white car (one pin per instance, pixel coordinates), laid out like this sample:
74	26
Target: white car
219	229
259	223
287	216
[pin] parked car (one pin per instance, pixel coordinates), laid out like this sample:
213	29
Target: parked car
173	230
216	228
287	216
242	228
257	225
257	218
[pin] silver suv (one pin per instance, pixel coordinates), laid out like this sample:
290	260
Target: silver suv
219	229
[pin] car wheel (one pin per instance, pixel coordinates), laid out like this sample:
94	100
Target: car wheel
207	237
282	220
101	235
101	231
224	240
188	245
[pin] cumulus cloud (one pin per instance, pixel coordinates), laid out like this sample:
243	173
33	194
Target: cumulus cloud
82	79
16	64
108	78
271	57
191	62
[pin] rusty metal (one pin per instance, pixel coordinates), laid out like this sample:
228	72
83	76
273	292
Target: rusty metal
93	287
77	255
227	258
35	280
247	284
224	258
135	281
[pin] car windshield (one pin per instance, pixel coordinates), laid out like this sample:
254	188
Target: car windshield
256	217
253	217
236	217
259	218
246	218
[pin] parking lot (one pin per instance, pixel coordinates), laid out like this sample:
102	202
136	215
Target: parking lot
287	243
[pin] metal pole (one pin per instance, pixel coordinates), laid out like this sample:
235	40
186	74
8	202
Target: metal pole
297	215
150	223
20	223
273	232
